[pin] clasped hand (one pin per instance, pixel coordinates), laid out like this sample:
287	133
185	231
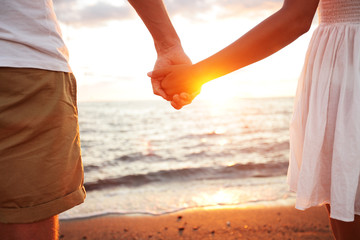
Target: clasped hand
172	78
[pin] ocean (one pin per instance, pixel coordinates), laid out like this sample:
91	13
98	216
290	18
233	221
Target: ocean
143	157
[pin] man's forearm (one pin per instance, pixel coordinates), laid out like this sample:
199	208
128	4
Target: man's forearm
154	15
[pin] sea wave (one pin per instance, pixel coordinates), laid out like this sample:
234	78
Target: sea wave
246	170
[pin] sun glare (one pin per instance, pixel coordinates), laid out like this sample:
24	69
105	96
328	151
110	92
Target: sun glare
127	53
217	92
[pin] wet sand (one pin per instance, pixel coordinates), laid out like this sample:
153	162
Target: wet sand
255	222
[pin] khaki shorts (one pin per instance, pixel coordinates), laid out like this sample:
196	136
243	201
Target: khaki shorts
41	172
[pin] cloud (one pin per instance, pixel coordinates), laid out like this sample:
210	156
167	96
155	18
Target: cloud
72	13
189	8
79	12
227	8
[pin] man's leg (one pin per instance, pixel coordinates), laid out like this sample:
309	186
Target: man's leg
42	230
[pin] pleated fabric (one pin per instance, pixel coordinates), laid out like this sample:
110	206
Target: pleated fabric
325	127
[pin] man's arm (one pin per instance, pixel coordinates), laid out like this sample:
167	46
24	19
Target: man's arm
167	43
154	15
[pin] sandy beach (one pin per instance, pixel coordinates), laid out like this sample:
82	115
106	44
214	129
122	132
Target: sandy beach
254	222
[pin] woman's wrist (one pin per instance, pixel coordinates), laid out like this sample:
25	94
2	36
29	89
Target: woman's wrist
201	73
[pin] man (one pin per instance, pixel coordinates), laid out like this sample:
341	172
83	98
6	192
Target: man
41	173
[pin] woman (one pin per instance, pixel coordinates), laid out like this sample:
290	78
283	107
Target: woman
325	131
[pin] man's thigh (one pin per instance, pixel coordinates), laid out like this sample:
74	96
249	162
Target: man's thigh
41	172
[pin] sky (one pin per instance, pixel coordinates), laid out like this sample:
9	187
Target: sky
111	50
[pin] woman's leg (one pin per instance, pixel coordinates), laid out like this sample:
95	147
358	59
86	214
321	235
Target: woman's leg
345	230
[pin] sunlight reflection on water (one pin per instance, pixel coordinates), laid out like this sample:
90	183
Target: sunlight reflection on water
145	157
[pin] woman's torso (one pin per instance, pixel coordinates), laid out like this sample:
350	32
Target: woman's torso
339	11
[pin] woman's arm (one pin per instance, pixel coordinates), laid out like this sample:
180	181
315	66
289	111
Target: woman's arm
271	35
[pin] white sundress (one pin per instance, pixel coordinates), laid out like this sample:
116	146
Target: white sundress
325	128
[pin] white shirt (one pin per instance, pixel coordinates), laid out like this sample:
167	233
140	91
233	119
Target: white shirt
30	36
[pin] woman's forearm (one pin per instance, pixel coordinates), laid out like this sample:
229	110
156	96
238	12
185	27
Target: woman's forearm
271	35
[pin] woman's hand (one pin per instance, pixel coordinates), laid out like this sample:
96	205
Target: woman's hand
179	82
171	56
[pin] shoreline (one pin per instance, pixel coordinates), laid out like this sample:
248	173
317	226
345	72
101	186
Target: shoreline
262	203
227	222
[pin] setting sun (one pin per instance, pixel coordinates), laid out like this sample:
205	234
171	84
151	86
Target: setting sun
218	92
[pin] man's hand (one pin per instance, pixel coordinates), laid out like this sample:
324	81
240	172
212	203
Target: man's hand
172	56
182	99
167	42
179	82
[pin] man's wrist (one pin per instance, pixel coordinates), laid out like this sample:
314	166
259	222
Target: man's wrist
165	46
